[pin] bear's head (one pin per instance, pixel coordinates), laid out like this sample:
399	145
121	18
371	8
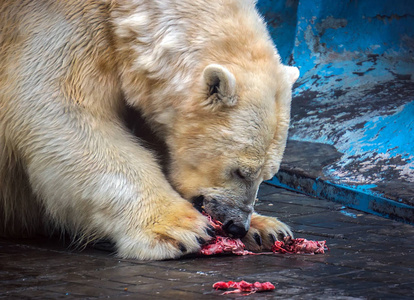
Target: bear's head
211	85
230	138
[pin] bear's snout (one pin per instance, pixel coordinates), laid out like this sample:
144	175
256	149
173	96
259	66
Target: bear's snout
235	230
229	210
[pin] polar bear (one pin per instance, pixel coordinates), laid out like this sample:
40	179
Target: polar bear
203	74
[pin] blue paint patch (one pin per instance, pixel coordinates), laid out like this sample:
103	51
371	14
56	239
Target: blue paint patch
392	135
384	144
367	188
275	181
306	31
348	214
281	19
315	186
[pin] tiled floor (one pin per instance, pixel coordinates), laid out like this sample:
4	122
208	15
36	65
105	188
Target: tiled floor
369	258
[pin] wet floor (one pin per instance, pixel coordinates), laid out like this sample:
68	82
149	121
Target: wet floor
369	258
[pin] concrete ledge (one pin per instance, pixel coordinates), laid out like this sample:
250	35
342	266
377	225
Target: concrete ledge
303	171
347	196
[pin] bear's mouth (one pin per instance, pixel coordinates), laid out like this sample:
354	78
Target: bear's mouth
210	209
198	203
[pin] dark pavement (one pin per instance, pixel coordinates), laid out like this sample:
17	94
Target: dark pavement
370	258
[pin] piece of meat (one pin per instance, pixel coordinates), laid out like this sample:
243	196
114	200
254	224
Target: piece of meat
217	225
299	246
243	286
224	244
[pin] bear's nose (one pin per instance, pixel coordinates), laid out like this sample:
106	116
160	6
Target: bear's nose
234	230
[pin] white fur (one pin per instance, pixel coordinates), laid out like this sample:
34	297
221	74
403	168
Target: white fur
67	161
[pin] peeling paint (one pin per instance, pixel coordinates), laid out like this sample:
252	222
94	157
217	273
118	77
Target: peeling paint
356	92
348	214
385	144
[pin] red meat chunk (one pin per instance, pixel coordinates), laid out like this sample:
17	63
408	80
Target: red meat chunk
224	244
243	286
299	246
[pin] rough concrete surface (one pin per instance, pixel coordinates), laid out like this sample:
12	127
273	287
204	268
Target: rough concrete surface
355	94
304	167
369	258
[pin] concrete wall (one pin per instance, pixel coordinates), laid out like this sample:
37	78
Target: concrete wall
356	91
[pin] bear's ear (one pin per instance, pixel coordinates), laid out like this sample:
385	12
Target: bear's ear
292	74
221	85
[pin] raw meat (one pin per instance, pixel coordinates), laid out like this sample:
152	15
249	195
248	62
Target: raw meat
299	246
243	286
224	244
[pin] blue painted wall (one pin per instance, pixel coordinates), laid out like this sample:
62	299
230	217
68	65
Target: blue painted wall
308	30
356	90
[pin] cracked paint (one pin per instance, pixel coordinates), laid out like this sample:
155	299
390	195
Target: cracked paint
356	90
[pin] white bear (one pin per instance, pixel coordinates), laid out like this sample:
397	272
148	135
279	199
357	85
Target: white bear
204	75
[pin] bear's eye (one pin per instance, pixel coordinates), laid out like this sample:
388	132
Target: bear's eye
238	173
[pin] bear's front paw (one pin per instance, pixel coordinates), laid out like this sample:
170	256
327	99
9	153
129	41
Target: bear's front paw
177	229
264	231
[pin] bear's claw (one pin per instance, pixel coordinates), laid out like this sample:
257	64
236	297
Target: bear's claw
264	232
272	238
178	230
182	248
210	231
258	239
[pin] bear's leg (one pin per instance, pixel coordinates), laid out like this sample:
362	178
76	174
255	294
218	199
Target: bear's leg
95	181
264	231
20	215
